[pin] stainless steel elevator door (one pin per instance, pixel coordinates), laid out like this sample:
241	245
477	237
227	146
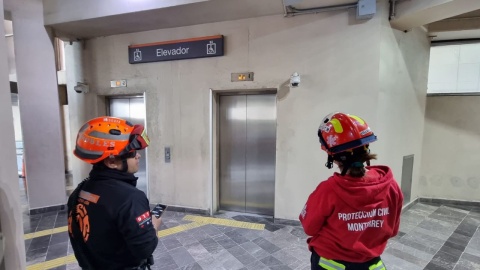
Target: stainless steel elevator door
247	153
133	110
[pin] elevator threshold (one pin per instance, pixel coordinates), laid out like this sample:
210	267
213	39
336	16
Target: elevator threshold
230	214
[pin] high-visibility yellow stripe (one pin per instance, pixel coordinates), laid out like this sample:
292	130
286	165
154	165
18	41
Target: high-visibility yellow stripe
377	266
360	120
337	126
226	222
45	232
53	263
330	264
178	229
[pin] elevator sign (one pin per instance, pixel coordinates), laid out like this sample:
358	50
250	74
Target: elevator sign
176	50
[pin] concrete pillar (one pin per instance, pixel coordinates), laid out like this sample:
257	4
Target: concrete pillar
81	106
39	106
10	208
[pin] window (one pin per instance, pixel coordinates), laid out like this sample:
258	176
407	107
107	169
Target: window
454	69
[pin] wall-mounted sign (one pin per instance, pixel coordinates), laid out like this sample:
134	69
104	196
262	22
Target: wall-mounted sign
241	77
176	49
118	83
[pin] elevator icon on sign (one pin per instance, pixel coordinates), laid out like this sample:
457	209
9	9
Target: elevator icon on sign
211	48
137	55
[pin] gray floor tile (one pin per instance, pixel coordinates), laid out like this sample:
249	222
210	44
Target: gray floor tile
445	260
427	240
391	260
271	261
474	258
164	260
227	260
266	245
406	256
257	265
452	251
197	251
425	256
434	266
227	243
193	266
418	246
460	267
280	267
211	245
246	259
57	251
171	243
432	233
73	266
287	257
433	236
181	256
36	255
237	237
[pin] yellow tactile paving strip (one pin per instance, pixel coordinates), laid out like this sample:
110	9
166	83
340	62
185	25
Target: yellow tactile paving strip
177	229
225	222
197	222
53	263
45	232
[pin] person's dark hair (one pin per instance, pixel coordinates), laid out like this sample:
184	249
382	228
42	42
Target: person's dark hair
355	160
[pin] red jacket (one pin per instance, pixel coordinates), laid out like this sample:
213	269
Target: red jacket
351	219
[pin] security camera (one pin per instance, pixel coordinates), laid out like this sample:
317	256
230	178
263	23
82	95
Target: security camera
81	88
295	79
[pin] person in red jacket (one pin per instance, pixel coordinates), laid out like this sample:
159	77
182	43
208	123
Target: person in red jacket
350	216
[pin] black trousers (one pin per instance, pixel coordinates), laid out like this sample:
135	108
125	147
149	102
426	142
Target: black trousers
315	259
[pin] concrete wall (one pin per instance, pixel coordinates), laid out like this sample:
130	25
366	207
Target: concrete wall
39	106
10	208
11	54
273	47
81	107
451	144
339	59
16	119
403	80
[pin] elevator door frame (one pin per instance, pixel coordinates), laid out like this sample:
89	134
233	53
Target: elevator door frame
215	140
107	107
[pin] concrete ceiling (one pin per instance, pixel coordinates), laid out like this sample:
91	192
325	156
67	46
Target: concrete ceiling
192	12
181	15
461	27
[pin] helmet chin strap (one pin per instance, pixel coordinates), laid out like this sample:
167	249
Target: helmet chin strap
124	165
329	163
345	170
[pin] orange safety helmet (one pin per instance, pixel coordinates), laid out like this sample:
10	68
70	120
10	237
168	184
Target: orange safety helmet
341	132
107	136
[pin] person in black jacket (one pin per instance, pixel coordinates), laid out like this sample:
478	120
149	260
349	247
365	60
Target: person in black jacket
109	222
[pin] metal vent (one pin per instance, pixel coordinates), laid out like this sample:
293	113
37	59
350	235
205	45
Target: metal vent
407	174
14	98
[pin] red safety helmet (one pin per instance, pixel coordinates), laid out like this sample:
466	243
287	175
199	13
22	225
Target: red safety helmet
341	132
107	136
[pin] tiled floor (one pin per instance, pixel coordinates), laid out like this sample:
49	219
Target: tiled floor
436	237
432	237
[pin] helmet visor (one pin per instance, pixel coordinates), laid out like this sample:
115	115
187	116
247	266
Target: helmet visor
138	140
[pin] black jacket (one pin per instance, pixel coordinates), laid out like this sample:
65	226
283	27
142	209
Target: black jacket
115	219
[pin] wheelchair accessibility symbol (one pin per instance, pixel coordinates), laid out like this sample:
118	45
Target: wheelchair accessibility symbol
211	48
137	55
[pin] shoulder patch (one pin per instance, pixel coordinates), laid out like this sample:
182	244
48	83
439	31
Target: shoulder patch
89	196
144	219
